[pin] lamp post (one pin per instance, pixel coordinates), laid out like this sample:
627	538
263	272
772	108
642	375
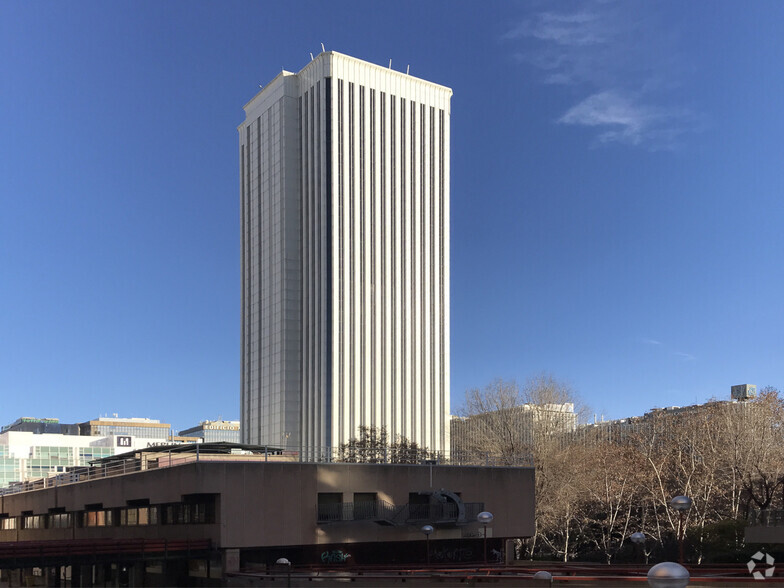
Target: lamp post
485	518
639	540
284	563
427	529
681	504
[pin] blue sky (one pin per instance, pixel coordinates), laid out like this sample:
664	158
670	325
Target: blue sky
616	193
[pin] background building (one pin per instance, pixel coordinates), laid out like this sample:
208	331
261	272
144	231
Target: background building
661	419
345	256
27	456
213	431
511	432
32	448
34	425
140	427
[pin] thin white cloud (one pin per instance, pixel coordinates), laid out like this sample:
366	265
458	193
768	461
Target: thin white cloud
619	118
666	349
577	29
620	62
623	120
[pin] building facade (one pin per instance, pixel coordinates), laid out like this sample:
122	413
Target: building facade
39	426
512	431
28	456
344	192
183	518
32	448
214	431
136	426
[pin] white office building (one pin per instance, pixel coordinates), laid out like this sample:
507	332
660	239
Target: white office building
344	191
26	456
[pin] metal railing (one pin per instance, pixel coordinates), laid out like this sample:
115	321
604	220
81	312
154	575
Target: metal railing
415	456
448	511
355	511
391	456
382	511
74	475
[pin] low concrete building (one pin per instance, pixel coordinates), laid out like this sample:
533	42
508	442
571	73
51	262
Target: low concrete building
188	515
765	526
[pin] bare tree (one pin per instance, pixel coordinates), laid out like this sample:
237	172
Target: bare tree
373	446
597	486
494	421
613	482
759	464
504	419
515	422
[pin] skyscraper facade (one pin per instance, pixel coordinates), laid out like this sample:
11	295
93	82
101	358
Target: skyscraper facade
344	190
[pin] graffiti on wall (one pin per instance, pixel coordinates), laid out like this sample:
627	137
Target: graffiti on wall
452	554
334	556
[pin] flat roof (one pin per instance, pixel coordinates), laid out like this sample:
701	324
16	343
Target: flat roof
215	448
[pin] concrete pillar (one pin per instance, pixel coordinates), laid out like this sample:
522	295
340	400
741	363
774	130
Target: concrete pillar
231	560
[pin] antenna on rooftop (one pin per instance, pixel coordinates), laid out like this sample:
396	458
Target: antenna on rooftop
407	69
322	48
311	56
390	64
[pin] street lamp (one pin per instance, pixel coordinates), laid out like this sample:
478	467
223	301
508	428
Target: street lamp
681	504
427	529
668	574
639	540
284	563
544	575
485	518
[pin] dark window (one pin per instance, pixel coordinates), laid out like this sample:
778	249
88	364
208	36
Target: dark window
418	506
195	509
365	505
31	521
59	519
330	505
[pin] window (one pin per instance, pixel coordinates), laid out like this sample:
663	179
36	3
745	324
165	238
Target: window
365	505
195	510
8	523
59	519
138	515
31	521
418	506
97	518
330	506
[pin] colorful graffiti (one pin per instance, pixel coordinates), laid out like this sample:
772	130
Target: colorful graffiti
335	556
452	554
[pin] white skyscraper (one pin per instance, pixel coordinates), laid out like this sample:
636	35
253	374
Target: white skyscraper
344	172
